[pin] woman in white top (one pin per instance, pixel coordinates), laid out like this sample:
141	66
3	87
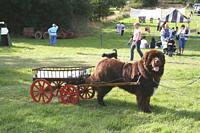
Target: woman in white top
137	36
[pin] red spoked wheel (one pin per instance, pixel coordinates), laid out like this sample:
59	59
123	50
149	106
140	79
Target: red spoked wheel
86	92
56	85
41	91
69	94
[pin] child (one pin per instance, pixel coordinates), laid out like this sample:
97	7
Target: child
182	40
122	28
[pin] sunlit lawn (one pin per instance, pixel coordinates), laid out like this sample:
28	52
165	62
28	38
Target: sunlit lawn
176	105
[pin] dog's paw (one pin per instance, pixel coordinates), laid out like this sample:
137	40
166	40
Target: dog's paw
102	103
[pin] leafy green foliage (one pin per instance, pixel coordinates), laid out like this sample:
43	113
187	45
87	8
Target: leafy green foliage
41	14
143	3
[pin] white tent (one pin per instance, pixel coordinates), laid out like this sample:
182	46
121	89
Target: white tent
153	13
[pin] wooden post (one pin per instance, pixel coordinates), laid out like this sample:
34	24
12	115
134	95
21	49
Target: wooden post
101	39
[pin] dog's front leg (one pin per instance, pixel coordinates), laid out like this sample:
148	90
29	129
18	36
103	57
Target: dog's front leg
143	103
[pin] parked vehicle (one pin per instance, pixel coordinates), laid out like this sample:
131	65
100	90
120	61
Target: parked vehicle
4	29
4	35
196	7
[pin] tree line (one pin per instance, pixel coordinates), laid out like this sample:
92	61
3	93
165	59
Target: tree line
42	13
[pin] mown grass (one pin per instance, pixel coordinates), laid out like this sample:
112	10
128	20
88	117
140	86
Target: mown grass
175	104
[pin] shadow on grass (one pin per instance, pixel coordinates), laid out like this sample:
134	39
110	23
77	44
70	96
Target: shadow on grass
182	63
17	62
14	77
191	55
178	113
117	106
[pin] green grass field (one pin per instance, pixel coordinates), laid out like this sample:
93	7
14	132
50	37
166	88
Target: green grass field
176	105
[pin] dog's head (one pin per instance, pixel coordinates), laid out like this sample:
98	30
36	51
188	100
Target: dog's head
154	61
103	55
114	50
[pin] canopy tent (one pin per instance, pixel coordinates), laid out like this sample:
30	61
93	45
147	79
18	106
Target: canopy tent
153	13
175	17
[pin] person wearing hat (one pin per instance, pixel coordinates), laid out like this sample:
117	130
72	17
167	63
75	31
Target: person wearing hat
53	34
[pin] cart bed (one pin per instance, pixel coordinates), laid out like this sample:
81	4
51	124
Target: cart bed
62	72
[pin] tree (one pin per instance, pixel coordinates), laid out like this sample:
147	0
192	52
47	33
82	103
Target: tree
101	8
148	3
144	3
42	13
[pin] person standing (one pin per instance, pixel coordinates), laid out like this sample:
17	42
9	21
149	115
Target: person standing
177	37
182	39
164	35
158	24
118	31
122	28
187	32
137	36
53	34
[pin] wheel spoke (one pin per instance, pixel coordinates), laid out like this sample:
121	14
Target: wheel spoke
39	84
37	95
36	91
82	94
88	95
43	84
39	98
43	99
60	82
46	96
46	90
37	87
54	82
85	95
90	92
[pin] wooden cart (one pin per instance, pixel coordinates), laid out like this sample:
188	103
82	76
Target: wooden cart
68	83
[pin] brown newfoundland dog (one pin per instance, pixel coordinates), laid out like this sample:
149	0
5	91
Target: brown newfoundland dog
147	71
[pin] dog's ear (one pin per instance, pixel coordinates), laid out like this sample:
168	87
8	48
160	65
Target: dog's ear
146	58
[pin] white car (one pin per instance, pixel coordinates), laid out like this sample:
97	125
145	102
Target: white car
3	28
196	7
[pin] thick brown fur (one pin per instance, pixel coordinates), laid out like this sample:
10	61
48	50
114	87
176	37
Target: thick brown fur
149	69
